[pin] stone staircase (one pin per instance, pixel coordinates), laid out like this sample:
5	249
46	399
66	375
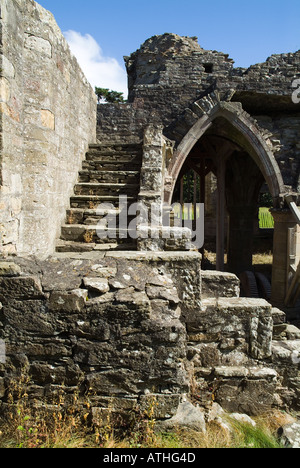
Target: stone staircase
108	172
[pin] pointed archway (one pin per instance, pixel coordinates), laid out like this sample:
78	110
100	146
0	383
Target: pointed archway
247	134
243	160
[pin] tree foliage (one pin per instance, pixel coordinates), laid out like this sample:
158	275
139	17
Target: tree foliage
108	95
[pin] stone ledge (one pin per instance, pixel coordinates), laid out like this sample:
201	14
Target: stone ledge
235	302
219	284
251	372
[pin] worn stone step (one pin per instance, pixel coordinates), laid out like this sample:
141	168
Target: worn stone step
233	323
94	216
94	234
93	176
106	189
106	148
219	284
102	165
78	215
83	247
97	201
124	157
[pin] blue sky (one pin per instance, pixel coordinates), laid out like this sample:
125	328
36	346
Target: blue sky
248	31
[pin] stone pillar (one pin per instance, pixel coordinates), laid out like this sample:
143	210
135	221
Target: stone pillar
240	238
152	234
150	196
284	220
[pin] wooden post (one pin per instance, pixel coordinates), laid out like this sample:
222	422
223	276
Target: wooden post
220	214
202	187
202	180
181	201
195	201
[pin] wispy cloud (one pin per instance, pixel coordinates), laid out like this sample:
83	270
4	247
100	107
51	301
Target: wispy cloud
101	71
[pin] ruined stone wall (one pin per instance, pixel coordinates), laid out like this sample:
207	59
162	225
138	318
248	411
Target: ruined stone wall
48	118
108	327
284	136
121	330
169	73
121	122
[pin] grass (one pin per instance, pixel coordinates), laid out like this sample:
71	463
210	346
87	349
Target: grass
68	426
266	220
242	435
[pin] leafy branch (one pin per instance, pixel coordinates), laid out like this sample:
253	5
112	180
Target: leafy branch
107	95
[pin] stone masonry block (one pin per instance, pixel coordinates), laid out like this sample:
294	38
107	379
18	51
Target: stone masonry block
22	288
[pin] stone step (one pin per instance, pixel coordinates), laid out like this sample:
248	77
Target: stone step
106	189
233	323
103	165
94	234
82	216
83	247
219	284
115	147
97	201
114	156
117	177
79	216
109	172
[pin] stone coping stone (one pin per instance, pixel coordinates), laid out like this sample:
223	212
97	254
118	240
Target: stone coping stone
236	302
155	256
249	372
219	284
131	255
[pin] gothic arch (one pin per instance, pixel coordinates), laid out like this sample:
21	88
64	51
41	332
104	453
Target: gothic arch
198	120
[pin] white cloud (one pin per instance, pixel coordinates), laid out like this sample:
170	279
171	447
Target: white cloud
101	71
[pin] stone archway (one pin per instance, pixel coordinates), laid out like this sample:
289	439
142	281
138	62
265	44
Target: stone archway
240	131
205	111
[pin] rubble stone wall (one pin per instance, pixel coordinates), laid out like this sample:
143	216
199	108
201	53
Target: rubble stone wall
168	74
48	118
119	330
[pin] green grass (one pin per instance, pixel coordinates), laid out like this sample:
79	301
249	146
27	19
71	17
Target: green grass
247	436
266	220
66	435
66	424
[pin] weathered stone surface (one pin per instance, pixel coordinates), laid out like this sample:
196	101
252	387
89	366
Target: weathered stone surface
66	301
134	340
188	417
218	284
38	44
48	119
20	288
27	316
286	351
290	435
249	328
9	269
41	89
286	332
98	285
244	395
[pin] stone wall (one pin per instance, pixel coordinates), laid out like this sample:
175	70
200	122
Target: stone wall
168	74
48	118
121	329
121	122
106	326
